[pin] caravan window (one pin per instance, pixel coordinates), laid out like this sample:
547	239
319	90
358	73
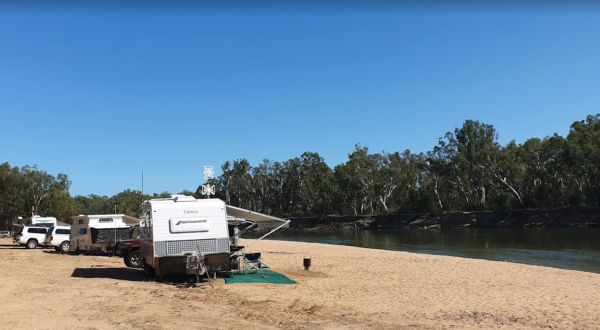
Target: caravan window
82	231
105	220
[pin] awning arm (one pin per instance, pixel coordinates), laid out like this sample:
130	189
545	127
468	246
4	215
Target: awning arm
243	251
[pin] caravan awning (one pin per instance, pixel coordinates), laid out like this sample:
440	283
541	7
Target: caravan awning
262	220
130	220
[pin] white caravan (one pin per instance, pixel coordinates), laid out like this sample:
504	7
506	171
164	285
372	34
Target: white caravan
178	232
98	233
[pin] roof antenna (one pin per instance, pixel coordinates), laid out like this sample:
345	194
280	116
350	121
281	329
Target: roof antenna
142	186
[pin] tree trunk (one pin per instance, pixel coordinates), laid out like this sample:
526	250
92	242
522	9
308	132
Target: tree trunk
437	194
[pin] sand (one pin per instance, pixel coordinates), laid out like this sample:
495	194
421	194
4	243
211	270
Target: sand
347	287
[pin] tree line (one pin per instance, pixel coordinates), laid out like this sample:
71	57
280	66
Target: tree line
468	170
27	190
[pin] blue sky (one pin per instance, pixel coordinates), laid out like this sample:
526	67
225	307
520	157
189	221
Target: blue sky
102	94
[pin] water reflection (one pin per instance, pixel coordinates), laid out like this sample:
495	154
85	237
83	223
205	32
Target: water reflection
570	248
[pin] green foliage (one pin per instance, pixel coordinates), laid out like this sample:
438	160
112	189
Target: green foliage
126	202
467	170
583	159
27	190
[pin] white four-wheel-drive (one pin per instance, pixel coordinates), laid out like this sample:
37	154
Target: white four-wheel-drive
31	236
58	238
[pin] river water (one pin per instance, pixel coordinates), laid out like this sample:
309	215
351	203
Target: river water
569	248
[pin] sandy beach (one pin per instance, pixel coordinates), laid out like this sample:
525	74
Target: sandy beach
347	287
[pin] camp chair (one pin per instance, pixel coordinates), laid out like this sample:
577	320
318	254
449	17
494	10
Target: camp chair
252	261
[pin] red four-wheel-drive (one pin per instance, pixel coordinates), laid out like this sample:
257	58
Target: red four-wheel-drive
130	251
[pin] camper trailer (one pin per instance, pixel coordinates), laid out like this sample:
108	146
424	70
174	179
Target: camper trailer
98	233
37	220
181	235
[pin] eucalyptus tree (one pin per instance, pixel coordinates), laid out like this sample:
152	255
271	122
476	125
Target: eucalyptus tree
317	184
400	177
357	180
583	143
58	202
38	188
129	201
438	179
531	157
388	178
11	194
264	185
291	185
28	190
92	204
472	150
508	173
276	182
235	183
556	175
224	182
347	199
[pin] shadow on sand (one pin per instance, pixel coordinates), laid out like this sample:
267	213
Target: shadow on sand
11	246
115	273
22	247
52	251
137	275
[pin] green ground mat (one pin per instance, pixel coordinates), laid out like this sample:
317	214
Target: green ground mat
261	276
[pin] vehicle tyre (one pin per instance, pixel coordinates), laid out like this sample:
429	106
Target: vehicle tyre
64	247
74	252
134	259
31	244
149	273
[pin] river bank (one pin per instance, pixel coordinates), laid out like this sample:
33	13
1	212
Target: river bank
575	248
551	218
346	287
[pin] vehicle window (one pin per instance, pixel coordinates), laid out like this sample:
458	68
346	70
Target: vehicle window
106	220
63	231
37	230
82	231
